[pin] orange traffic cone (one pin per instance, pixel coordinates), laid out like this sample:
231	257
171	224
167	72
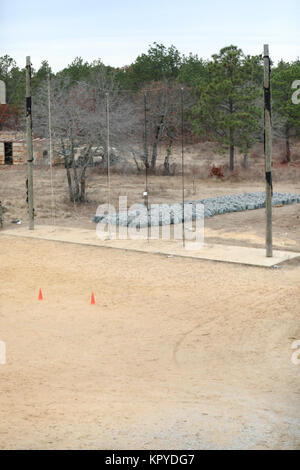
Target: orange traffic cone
93	299
40	297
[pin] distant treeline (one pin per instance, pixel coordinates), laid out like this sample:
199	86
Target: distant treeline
223	94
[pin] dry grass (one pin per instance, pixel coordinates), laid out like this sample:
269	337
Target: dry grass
162	189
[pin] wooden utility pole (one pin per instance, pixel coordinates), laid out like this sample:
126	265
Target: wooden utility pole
268	150
29	145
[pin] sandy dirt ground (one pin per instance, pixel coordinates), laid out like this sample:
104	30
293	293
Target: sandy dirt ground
176	354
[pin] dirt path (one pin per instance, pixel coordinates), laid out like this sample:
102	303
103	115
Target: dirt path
176	353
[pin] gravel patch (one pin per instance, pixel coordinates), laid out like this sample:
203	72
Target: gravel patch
165	214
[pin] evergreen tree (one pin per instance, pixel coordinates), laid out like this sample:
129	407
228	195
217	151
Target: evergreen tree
14	79
192	69
228	107
282	78
77	71
160	63
40	76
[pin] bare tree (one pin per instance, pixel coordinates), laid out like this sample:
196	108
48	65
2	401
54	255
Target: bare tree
163	120
72	125
79	124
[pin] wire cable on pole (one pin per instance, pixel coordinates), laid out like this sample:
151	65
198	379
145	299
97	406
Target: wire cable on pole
182	168
108	156
51	152
146	194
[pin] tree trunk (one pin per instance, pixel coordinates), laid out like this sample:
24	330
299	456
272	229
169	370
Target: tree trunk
136	162
70	184
159	130
76	190
231	146
231	157
287	143
154	155
87	158
67	167
167	161
146	156
82	190
246	164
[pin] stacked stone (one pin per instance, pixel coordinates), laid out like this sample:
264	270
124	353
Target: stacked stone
166	214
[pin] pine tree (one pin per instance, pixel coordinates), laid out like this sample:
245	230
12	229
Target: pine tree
282	78
228	100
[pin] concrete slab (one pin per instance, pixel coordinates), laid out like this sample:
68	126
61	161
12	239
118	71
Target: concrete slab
213	252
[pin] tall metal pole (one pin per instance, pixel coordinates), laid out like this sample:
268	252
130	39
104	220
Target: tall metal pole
146	164
50	149
108	153
29	145
268	150
182	170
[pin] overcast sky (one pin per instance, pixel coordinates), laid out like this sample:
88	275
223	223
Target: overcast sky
118	31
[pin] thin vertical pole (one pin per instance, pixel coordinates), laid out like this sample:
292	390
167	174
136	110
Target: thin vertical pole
182	170
108	154
50	150
29	144
146	164
268	150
